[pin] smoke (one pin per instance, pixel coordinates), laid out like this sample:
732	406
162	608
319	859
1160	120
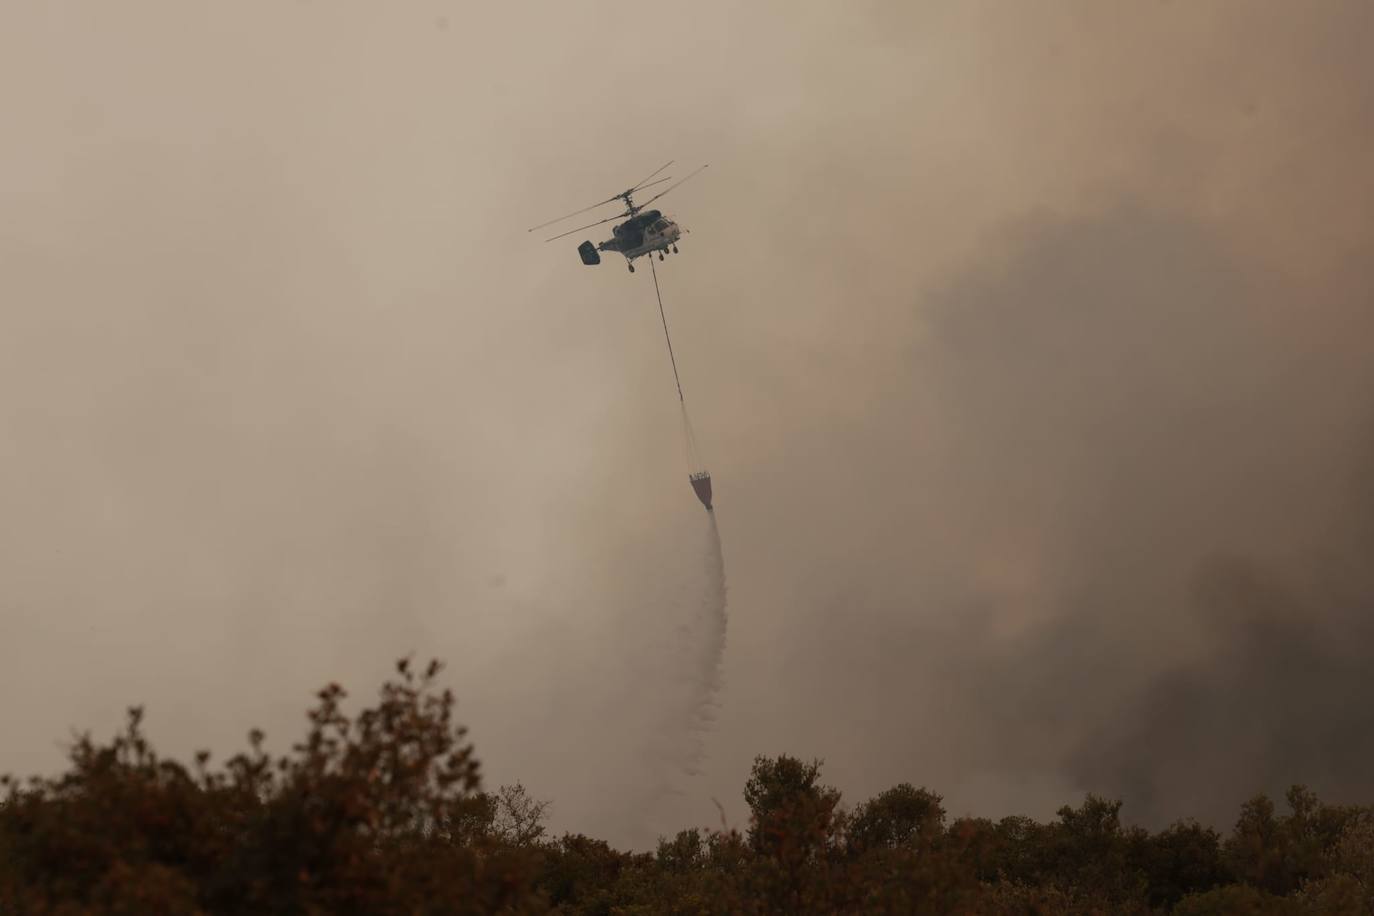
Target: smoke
1280	693
1151	498
1283	698
1032	338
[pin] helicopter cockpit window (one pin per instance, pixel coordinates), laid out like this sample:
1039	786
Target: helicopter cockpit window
660	225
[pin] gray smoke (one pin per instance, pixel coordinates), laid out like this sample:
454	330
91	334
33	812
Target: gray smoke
1154	490
1031	342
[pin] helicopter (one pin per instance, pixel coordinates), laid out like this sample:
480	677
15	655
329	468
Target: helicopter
644	232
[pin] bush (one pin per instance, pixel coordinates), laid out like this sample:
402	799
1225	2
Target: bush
384	812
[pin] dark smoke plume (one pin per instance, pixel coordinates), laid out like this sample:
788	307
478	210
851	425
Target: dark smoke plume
1165	459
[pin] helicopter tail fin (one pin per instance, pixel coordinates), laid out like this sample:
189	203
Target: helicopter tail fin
590	256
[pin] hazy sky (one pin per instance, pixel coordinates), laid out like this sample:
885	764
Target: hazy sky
1027	345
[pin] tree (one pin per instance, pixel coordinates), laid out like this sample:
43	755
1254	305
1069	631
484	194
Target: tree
1183	859
372	813
517	817
902	816
580	874
1279	854
384	812
791	828
1255	850
1089	850
791	813
683	853
1236	900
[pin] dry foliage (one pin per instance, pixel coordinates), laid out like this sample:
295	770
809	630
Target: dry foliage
384	812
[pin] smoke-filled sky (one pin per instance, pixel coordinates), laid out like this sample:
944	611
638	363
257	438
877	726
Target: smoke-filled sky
1028	346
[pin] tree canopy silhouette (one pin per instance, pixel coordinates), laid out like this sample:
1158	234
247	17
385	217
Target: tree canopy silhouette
384	812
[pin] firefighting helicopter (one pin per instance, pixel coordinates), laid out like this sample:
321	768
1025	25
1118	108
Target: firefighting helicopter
645	232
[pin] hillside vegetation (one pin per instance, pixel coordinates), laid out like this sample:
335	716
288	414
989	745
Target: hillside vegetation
385	812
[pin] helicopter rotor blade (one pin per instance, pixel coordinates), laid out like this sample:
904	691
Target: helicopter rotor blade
643	184
652	183
574	213
589	225
670	187
651	175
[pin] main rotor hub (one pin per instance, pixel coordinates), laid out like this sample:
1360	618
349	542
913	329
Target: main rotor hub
632	209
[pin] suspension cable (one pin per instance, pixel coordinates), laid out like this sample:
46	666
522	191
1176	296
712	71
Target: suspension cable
666	336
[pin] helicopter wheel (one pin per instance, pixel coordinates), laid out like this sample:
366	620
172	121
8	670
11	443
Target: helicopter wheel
674	249
632	268
660	256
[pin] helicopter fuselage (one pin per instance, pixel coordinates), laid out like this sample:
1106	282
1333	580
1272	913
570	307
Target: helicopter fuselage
645	232
642	234
636	236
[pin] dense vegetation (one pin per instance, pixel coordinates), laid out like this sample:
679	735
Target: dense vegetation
384	812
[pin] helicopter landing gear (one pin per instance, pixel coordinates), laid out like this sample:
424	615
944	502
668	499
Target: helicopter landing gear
674	249
660	256
632	268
